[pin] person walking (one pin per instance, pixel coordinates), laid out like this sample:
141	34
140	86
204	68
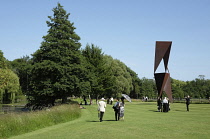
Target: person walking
187	102
101	108
122	106
117	110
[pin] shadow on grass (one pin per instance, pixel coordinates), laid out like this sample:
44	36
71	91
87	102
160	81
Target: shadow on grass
158	111
153	110
99	121
92	121
145	103
180	110
109	120
168	111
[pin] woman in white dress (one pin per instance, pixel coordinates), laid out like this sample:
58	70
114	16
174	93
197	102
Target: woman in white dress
122	106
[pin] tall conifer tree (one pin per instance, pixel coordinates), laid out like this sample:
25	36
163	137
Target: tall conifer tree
57	64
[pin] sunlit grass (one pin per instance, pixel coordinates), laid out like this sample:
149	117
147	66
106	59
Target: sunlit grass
15	124
141	121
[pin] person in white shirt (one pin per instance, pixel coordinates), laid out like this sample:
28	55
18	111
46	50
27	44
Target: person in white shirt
101	108
111	100
165	105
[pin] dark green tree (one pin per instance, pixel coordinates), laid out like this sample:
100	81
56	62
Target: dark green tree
136	82
122	80
22	67
197	88
207	89
177	88
3	61
100	78
57	71
147	88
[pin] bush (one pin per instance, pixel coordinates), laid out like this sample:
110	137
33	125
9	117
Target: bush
16	124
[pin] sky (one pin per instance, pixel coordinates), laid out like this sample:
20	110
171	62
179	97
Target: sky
127	30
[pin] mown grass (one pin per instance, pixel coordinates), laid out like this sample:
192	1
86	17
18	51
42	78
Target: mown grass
16	124
141	121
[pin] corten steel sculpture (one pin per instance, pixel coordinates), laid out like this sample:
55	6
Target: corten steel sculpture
163	81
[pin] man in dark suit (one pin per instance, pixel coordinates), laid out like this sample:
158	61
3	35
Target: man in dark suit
159	104
187	102
117	110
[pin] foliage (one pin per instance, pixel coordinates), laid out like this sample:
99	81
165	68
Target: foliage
22	67
100	76
136	83
198	88
177	88
9	82
57	66
109	77
3	63
148	88
95	63
3	71
123	79
16	124
12	87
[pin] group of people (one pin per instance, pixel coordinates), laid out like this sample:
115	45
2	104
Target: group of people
110	100
118	109
163	106
145	98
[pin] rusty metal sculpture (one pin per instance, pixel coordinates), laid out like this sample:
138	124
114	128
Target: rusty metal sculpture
163	81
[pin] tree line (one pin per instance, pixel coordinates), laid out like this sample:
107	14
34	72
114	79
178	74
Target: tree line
60	68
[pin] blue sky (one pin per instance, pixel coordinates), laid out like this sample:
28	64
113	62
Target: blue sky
125	29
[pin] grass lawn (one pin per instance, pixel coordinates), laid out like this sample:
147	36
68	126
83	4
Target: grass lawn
141	121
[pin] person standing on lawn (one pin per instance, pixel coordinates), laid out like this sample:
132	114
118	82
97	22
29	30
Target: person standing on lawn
101	108
165	105
122	106
117	110
187	102
111	100
159	104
